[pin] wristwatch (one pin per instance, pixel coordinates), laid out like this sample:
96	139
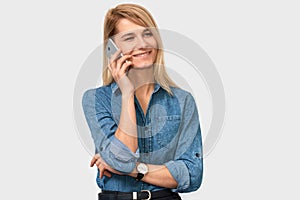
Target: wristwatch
142	170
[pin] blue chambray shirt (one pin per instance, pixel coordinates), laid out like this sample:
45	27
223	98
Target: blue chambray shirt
169	134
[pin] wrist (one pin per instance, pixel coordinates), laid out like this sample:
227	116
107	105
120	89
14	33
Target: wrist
125	86
127	94
134	171
142	169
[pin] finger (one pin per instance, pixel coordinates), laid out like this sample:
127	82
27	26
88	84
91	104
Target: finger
102	170
122	60
116	65
92	162
101	174
106	173
125	66
98	162
112	65
94	159
121	67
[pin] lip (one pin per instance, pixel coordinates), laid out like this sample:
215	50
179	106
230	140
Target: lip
142	54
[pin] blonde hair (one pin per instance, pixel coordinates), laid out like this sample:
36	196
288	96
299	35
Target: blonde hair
140	16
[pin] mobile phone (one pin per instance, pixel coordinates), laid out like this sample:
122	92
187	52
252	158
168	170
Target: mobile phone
111	49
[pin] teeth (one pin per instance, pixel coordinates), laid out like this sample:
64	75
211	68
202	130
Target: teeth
142	54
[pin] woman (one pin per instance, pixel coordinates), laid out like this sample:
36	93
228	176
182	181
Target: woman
145	129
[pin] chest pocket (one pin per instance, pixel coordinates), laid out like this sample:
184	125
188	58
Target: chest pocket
164	131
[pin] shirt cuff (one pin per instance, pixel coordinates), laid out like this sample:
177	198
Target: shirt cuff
118	156
180	173
121	151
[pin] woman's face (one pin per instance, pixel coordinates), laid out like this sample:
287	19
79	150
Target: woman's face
137	41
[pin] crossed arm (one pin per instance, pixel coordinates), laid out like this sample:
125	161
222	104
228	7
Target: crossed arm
154	176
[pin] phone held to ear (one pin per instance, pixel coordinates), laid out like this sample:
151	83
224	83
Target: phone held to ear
111	49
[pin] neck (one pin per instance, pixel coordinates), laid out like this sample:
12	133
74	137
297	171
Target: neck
142	80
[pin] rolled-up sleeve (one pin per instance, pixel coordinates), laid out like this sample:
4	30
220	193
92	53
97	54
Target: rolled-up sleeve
187	166
97	109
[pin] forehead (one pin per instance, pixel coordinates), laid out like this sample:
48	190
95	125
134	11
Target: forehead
124	26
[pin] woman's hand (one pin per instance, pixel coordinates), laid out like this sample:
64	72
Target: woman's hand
104	168
118	69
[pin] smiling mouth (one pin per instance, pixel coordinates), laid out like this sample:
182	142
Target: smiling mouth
142	54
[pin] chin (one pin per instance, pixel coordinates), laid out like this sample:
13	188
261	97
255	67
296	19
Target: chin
142	65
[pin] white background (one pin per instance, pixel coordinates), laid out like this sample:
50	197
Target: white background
254	45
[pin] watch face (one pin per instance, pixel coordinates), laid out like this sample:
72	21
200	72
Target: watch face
142	168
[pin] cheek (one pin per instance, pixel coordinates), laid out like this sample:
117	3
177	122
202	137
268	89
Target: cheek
154	55
152	42
126	48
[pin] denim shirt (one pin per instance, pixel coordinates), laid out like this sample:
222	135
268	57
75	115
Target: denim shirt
168	134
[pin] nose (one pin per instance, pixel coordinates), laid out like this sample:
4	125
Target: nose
141	43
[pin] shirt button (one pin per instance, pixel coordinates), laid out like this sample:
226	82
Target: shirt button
101	148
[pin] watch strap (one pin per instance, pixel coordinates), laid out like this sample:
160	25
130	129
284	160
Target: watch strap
139	176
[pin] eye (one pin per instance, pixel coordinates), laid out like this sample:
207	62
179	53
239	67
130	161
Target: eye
148	34
128	38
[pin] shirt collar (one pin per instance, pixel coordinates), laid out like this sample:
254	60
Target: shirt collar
114	87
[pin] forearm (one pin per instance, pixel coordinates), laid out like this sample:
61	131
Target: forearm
158	175
127	130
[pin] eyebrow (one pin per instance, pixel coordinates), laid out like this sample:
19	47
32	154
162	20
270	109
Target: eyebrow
132	33
127	34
